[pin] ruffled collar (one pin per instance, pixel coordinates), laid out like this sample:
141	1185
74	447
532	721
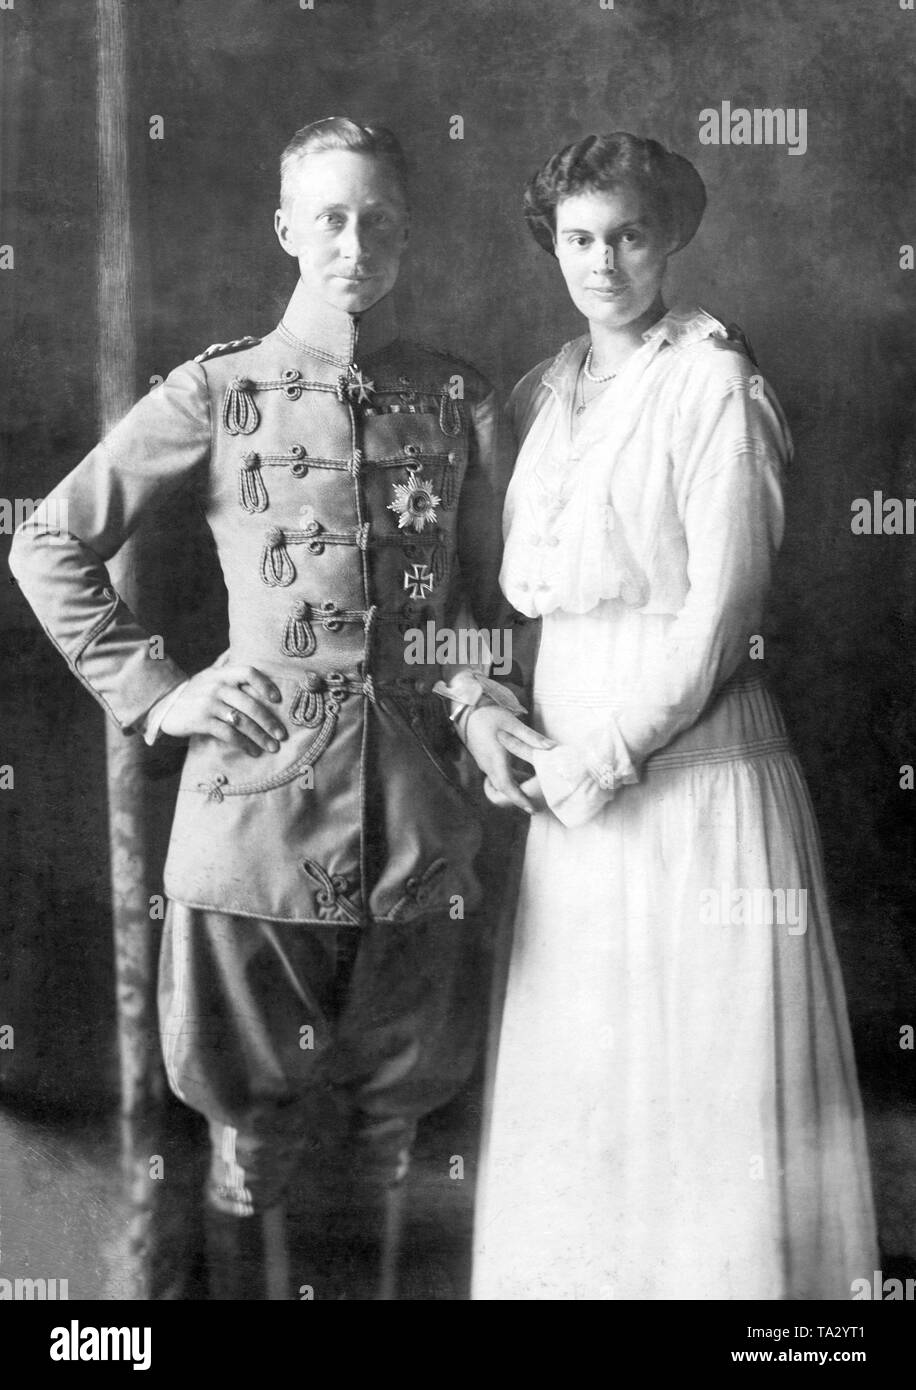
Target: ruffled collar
678	328
566	547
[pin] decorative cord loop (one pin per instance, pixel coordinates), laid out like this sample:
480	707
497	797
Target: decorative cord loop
240	414
252	492
332	894
449	414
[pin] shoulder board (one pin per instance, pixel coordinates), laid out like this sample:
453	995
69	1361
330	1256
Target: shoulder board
220	349
452	359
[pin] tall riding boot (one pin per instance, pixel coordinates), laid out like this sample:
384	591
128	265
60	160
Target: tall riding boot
392	1242
347	1214
366	1237
371	1226
247	1256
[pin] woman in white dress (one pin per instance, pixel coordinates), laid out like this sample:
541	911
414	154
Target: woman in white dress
675	1111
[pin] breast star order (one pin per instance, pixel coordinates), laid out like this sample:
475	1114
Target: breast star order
415	502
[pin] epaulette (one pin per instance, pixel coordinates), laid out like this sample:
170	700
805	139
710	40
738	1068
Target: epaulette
220	349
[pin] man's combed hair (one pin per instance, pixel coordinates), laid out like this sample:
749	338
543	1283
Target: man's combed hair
669	183
340	133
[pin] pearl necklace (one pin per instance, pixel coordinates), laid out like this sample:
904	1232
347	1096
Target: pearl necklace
596	379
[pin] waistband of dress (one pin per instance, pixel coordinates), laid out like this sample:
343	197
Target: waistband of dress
737	752
742	721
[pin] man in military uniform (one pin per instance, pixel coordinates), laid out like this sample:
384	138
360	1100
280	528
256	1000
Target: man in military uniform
318	983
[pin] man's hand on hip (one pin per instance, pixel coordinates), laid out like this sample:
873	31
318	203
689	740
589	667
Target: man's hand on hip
231	704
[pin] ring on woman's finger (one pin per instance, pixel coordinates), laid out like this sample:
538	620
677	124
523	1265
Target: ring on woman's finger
233	718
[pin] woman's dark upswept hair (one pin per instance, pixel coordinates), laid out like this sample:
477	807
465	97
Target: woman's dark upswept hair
669	183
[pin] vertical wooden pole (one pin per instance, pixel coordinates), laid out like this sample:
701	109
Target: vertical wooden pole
134	874
154	1258
117	355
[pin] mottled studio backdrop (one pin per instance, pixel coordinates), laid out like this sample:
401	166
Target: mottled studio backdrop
803	251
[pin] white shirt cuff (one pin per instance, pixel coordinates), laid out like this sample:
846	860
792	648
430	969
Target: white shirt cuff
151	724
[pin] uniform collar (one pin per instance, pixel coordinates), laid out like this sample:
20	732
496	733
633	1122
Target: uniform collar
309	322
678	328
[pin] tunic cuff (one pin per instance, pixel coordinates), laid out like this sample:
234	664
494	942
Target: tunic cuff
470	687
467	690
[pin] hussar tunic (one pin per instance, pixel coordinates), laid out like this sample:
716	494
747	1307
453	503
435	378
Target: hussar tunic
352	484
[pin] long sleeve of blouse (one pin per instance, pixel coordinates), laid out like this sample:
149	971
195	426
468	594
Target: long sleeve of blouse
728	448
